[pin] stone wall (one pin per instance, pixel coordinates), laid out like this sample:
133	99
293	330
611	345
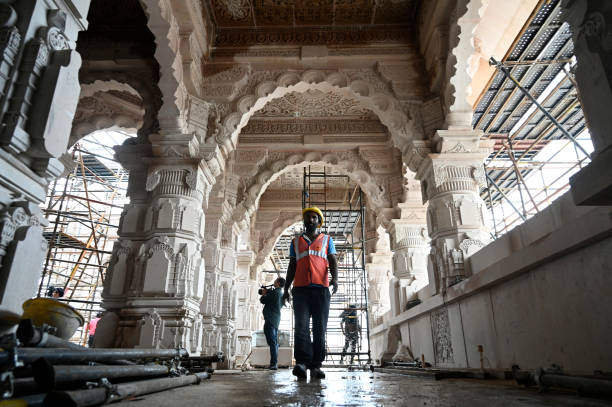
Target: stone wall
538	295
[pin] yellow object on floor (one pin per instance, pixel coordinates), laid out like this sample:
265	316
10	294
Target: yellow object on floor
48	311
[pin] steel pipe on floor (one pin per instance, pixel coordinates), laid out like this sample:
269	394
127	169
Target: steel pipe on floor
103	395
103	355
49	377
30	335
584	386
587	386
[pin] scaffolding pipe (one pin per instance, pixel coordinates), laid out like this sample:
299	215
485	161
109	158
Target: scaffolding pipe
505	197
103	395
57	356
49	377
365	277
587	386
506	72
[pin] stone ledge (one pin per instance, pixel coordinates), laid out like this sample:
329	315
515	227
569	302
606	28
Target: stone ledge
593	184
593	226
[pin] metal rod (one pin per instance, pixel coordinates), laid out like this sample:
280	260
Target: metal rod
506	72
29	355
588	386
539	62
31	335
490	202
365	276
102	395
505	196
519	175
81	301
49	377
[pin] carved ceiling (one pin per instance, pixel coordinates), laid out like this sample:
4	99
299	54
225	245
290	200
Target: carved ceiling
320	13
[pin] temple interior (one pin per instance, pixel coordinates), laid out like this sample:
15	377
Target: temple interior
156	156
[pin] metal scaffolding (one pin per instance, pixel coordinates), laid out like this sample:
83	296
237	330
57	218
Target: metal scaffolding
83	211
531	108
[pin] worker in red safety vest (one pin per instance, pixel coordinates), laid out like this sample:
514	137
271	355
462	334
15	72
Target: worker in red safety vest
311	255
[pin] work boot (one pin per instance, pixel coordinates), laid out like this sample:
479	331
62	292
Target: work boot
317	373
273	367
299	371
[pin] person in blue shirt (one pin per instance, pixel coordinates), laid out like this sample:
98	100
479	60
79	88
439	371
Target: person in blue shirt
272	300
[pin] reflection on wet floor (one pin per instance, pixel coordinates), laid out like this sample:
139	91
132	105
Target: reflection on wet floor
355	388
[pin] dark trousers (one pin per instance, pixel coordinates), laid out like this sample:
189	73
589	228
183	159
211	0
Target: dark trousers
271	333
350	338
310	302
90	341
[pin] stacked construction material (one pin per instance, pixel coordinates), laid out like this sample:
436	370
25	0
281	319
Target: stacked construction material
44	370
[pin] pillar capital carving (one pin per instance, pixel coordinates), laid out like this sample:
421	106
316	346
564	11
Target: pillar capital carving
447	173
410	232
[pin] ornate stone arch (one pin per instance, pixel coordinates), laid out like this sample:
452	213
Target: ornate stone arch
349	162
268	239
107	104
365	86
142	88
182	44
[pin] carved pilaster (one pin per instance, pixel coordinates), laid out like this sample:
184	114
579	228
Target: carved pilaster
409	244
37	68
22	251
378	269
451	182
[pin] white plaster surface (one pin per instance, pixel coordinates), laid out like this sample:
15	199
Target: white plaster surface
420	338
544	300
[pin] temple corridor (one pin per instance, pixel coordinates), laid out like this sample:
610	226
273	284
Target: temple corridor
352	388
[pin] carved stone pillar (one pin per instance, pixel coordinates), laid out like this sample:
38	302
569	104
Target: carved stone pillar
378	269
213	294
225	323
39	91
155	281
243	329
409	244
591	25
451	181
220	302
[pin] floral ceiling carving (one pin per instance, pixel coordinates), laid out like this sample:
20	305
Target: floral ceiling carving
315	103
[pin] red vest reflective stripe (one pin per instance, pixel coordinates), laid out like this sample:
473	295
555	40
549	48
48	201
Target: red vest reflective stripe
311	261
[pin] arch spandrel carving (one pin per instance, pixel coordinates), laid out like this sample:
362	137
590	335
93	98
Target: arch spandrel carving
365	86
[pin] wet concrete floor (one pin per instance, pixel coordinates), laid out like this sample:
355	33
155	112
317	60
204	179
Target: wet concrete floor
355	388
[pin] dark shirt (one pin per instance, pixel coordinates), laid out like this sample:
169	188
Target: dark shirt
351	321
272	306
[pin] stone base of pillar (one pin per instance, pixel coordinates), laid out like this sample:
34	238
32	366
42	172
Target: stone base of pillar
593	184
157	326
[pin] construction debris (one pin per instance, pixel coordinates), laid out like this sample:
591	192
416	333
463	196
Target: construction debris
56	372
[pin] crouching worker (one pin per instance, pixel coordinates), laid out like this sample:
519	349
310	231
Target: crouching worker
272	300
